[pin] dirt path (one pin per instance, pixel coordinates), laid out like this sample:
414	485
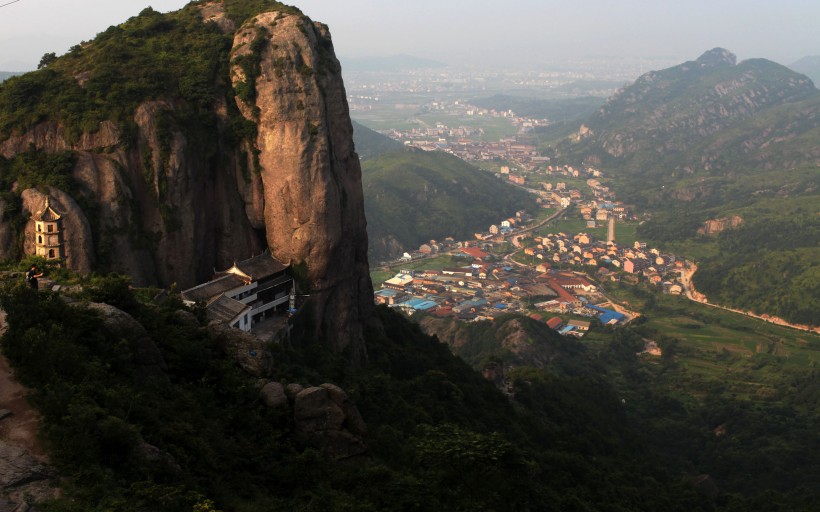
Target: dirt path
19	429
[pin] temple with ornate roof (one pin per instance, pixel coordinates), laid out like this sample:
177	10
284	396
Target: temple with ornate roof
246	293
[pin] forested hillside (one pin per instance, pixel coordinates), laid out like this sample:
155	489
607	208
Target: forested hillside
164	420
768	265
370	143
412	196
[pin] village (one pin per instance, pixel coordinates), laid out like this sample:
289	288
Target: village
465	142
522	265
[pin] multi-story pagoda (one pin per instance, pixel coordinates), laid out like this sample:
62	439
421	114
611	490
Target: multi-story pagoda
48	233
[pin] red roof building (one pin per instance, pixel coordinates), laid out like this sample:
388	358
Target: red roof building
475	252
555	323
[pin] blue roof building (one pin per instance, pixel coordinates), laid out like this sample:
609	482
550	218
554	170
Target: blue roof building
607	316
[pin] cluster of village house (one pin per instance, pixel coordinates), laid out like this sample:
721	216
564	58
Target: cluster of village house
607	258
485	287
482	289
458	141
601	207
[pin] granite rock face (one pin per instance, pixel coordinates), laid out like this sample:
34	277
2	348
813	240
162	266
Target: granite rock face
23	478
165	204
313	202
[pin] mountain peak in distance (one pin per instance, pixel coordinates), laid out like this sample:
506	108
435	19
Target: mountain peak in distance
717	57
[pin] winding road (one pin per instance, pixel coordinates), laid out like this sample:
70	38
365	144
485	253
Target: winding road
694	295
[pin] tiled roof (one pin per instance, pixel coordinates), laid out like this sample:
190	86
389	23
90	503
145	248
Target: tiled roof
225	309
207	291
48	214
259	267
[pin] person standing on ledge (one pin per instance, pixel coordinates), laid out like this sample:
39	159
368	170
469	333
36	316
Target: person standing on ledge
32	275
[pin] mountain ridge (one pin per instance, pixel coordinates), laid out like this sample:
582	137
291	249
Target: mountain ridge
669	113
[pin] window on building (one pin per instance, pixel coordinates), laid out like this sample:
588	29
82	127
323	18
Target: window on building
50	228
39	239
51	253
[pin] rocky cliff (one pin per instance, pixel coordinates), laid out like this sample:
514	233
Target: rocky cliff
311	178
248	148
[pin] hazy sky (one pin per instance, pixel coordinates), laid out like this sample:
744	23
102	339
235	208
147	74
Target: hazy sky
473	31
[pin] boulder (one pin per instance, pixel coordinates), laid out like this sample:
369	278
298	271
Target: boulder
158	458
273	394
330	422
293	389
315	411
353	420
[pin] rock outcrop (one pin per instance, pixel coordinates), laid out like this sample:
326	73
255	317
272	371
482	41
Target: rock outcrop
167	201
313	203
23	478
323	416
715	226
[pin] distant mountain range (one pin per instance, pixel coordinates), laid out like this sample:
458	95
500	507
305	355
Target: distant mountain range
708	115
388	63
809	66
8	74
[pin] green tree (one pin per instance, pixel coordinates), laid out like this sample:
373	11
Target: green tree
46	59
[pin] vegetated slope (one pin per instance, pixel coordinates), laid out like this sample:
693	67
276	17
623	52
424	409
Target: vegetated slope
146	410
513	339
709	139
370	143
768	265
809	66
413	196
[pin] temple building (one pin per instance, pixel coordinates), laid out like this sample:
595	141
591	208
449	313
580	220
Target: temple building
48	233
246	293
